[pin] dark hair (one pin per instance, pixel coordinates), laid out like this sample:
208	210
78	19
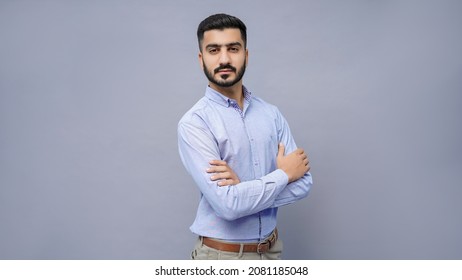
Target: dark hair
221	21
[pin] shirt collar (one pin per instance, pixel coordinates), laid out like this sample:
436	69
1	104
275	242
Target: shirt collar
223	100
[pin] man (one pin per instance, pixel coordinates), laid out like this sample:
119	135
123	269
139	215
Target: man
239	151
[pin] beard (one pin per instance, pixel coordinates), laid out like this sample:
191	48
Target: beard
224	82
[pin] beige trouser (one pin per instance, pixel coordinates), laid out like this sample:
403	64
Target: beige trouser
203	252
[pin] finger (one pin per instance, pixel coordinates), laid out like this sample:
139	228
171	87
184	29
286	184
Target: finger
281	150
224	183
307	165
219	176
217	162
214	169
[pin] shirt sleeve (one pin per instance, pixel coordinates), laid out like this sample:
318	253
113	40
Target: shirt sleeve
197	148
300	188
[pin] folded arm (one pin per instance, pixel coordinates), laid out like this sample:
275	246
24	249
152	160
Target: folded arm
297	188
197	149
230	198
301	187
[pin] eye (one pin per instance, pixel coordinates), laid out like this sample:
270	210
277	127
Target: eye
213	50
234	49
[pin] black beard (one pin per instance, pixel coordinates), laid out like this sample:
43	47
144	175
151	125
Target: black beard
224	83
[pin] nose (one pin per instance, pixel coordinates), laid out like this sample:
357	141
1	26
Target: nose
224	58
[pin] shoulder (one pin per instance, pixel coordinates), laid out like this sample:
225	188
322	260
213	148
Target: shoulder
270	111
199	120
195	113
268	107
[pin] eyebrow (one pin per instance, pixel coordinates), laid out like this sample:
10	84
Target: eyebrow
227	45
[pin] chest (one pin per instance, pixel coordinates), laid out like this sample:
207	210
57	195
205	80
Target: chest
246	141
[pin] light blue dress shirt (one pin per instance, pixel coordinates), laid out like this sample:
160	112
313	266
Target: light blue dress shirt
216	128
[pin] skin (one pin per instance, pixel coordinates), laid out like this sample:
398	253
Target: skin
295	165
219	50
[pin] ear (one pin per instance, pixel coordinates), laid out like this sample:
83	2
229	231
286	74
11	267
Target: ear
246	56
201	61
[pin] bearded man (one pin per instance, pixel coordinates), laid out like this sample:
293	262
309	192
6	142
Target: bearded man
240	153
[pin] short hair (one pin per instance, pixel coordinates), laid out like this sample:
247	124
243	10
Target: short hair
220	22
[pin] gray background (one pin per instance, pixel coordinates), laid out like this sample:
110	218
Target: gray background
91	93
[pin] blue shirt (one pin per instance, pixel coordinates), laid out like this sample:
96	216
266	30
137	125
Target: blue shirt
216	128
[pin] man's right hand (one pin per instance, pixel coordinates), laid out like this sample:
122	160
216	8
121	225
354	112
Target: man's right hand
295	164
222	173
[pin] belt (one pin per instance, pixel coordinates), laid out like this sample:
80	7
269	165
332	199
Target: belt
260	248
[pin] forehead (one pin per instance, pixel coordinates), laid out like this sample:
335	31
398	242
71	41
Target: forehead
222	37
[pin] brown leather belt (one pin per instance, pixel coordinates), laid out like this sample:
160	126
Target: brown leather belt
260	248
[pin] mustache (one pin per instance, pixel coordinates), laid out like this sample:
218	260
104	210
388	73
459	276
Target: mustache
224	67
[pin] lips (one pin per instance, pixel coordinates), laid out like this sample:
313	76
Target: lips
225	69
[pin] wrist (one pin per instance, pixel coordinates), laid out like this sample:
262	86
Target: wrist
289	178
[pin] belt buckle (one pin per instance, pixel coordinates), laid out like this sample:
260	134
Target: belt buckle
259	251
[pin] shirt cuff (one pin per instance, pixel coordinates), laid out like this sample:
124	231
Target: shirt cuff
280	177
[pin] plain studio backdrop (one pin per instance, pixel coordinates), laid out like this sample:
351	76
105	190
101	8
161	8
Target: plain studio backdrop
91	93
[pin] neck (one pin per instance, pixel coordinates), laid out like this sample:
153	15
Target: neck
234	92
